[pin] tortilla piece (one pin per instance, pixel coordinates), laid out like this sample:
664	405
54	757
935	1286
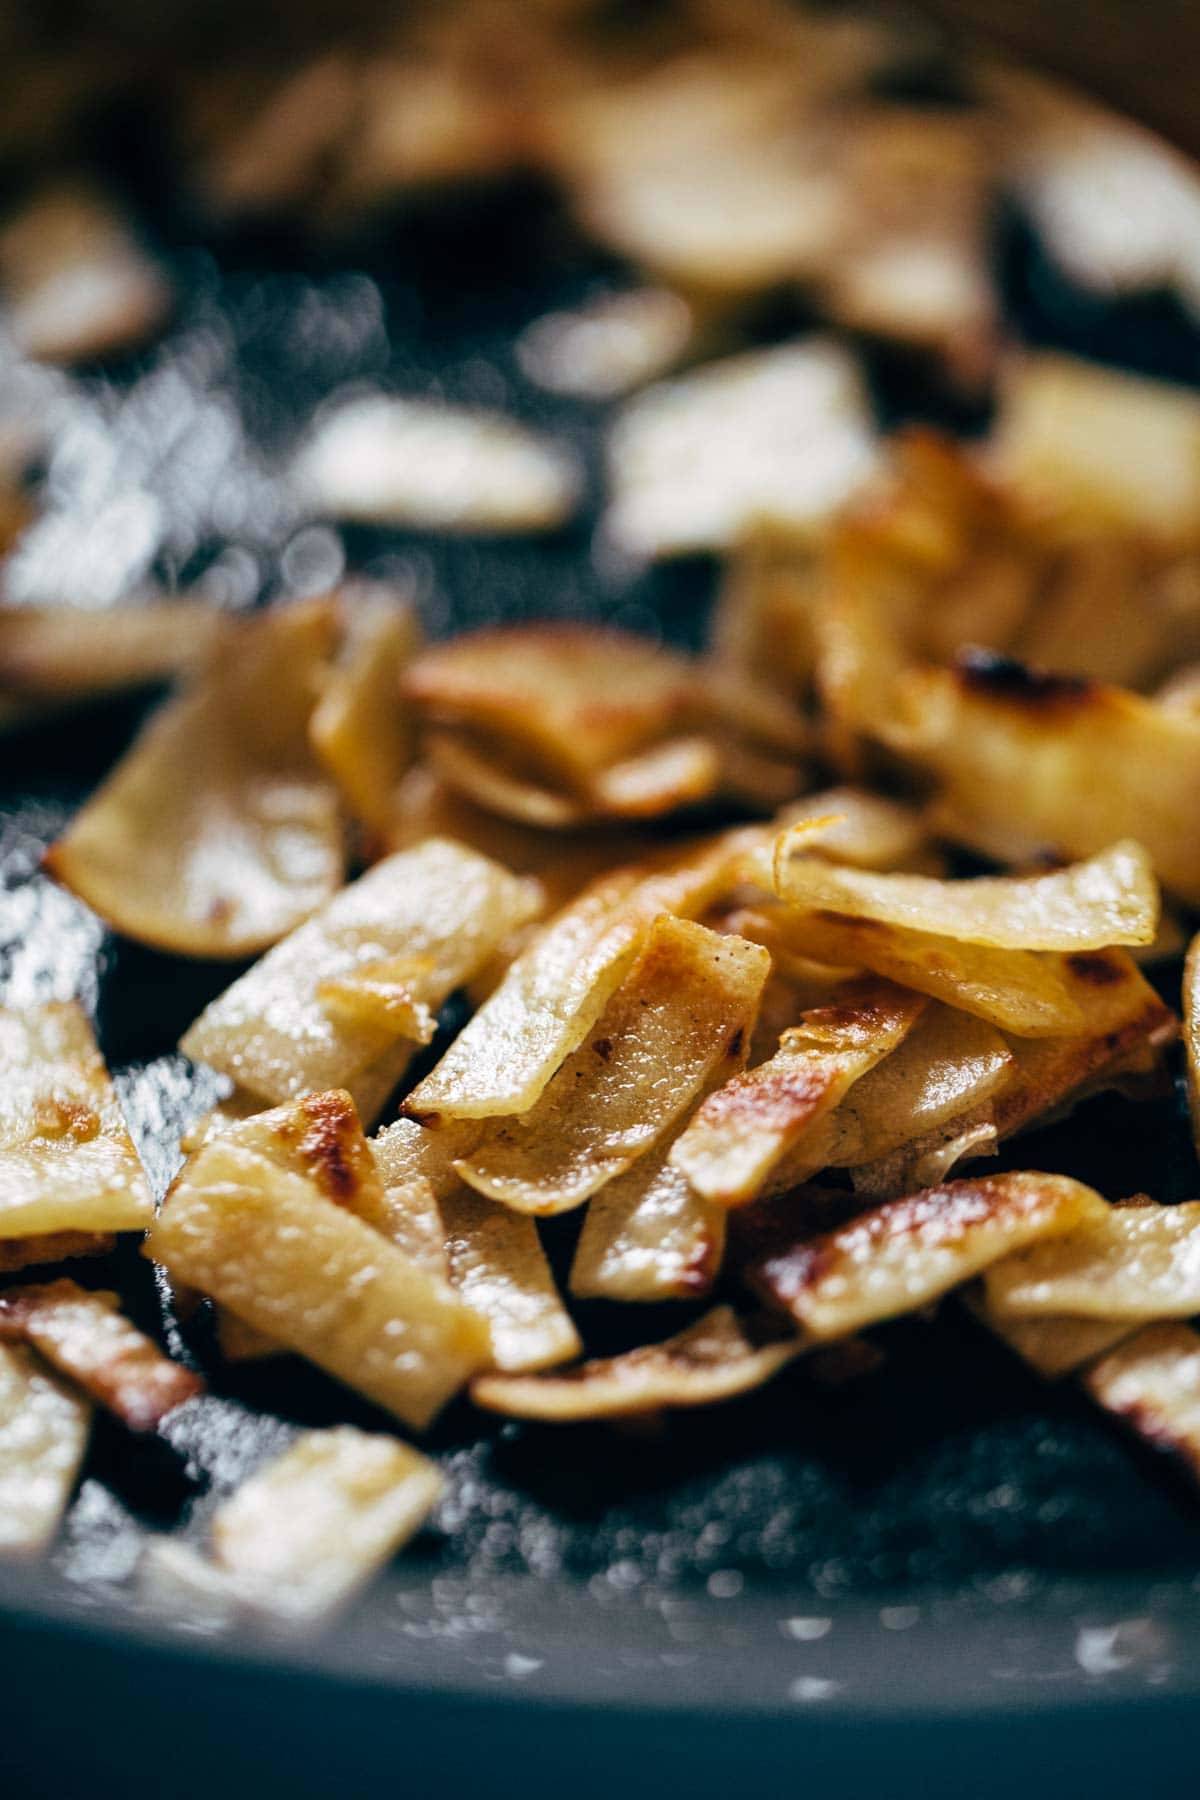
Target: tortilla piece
1053	1346
860	829
716	1359
265	1243
1052	1074
949	1063
556	990
500	1270
476	769
745	1129
440	906
53	1247
684	771
361	733
1109	899
910	1251
783	435
609	345
686	1007
44	1430
1092	449
1027	763
77	283
60	656
84	1336
1026	992
297	1540
649	1236
1152	1384
216	833
1191	1032
573	698
385	460
67	1162
1131	1262
927	1160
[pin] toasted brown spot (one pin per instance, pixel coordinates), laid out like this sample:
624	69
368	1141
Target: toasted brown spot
603	1048
329	1145
996	677
1097	968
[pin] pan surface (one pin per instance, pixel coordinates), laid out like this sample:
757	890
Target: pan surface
934	1574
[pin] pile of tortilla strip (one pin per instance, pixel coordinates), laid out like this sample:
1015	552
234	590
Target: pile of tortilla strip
763	952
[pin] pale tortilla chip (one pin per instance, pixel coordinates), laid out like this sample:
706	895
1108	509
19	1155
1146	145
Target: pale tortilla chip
716	1359
217	833
499	1268
44	1428
361	733
686	1007
270	1031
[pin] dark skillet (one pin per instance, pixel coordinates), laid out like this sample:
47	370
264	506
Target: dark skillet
946	1578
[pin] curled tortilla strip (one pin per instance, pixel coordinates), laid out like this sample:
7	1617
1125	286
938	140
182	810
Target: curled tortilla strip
1050	1075
84	1336
422	463
686	1007
440	906
556	989
861	829
609	345
927	1160
684	771
1130	1262
360	732
76	281
1091	449
297	1540
499	1268
1029	993
569	699
1191	1032
67	1162
746	1128
649	1236
217	833
1026	762
910	1251
60	656
476	769
1151	1383
1054	1346
44	1430
1110	899
266	1243
716	1359
783	435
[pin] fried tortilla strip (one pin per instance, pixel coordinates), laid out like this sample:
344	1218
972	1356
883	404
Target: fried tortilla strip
861	829
52	1247
1053	1346
76	282
1026	762
1191	1032
297	1540
745	1129
84	1336
1130	1262
360	732
440	906
60	656
949	1063
910	1251
570	700
684	771
217	833
1051	1074
716	1359
1029	993
44	1429
926	1161
1152	1383
556	990
1109	899
649	1236
386	460
500	1270
67	1163
1090	449
783	435
304	1533
687	1006
265	1243
609	345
